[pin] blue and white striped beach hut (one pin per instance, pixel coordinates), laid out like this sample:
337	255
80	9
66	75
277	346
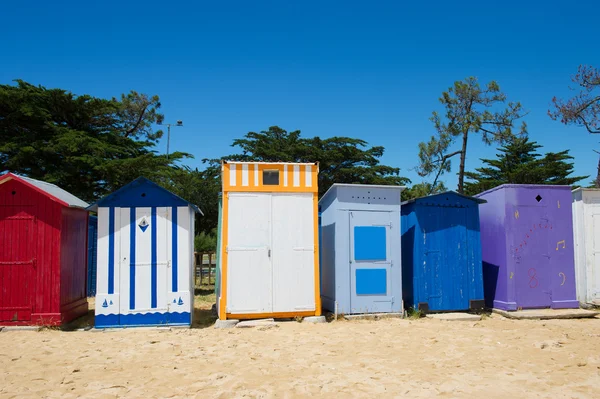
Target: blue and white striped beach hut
145	257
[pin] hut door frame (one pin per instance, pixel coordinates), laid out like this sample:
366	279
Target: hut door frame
19	274
594	269
367	293
249	266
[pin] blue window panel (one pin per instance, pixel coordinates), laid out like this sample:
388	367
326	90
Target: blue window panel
371	282
369	243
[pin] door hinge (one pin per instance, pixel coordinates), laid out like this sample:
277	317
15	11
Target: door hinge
269	251
168	263
227	249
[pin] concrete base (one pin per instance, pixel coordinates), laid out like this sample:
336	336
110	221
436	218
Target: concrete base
314	319
226	323
546	314
256	323
373	316
21	328
454	316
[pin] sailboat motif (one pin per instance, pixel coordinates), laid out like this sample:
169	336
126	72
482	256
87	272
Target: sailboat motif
143	224
105	304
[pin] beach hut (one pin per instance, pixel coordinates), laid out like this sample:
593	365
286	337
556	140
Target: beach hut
269	260
527	247
586	226
43	230
145	257
92	255
360	249
441	253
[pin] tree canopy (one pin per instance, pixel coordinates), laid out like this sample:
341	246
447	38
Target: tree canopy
341	159
519	163
469	108
87	145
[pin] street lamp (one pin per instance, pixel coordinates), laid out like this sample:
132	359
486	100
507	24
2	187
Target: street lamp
168	125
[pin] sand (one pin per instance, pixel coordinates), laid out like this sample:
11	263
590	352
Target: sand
491	358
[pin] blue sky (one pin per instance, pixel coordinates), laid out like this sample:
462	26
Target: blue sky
372	70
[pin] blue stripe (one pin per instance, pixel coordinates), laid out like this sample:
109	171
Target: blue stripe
146	319
153	243
111	250
174	247
132	258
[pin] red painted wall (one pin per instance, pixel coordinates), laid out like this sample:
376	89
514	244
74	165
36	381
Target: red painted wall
30	229
73	299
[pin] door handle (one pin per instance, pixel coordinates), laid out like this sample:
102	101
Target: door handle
269	251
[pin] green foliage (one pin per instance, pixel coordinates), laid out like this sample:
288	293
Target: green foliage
469	108
422	190
341	159
414	314
519	163
206	242
86	145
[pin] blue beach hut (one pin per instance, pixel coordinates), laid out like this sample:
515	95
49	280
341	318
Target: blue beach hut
441	257
145	257
360	249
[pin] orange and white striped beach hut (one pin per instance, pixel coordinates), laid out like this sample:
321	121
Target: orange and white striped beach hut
268	241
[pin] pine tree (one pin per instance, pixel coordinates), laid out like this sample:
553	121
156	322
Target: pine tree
519	163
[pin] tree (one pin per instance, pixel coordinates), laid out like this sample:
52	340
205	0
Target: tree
89	146
469	109
584	108
341	159
422	190
519	163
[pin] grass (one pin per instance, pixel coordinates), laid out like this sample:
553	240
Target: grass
414	314
204	299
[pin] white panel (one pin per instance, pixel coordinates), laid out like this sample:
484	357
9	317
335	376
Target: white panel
169	250
296	175
232	174
184	250
293	252
102	255
285	176
142	260
191	283
245	175
162	258
308	175
593	271
248	263
255	175
124	258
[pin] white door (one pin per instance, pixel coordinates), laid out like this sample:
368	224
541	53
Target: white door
594	268
293	258
249	276
144	260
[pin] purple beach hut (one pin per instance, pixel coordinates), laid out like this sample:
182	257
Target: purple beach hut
527	247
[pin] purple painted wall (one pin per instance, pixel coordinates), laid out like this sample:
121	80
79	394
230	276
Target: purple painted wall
527	247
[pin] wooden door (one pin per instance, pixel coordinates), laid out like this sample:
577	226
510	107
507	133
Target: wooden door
17	264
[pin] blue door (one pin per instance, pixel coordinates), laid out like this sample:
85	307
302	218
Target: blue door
370	262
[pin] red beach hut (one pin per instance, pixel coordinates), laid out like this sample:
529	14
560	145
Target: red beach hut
43	253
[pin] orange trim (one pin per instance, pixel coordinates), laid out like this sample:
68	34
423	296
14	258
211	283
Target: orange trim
314	170
279	315
317	249
224	239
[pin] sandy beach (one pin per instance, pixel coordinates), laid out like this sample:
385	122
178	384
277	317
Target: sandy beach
491	358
